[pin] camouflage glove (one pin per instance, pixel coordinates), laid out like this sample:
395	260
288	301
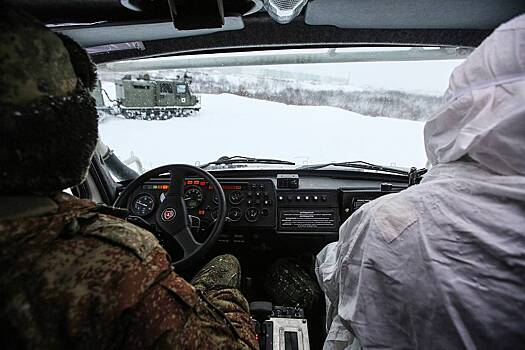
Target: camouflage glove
223	271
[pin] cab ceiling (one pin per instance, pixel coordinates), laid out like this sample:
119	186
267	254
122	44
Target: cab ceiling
404	14
323	23
394	14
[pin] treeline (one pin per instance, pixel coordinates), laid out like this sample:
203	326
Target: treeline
375	103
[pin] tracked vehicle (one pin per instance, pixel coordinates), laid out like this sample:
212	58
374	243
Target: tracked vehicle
154	99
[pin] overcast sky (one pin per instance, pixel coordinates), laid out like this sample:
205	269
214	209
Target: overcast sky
430	76
419	76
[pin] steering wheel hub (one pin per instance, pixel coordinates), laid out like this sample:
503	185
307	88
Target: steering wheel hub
168	214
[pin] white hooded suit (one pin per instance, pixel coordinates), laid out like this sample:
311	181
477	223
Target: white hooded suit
441	265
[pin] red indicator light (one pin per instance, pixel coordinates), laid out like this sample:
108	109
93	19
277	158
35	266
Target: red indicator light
202	212
203	183
189	182
165	187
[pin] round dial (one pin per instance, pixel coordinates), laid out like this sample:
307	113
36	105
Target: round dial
252	214
193	197
236	197
143	205
235	214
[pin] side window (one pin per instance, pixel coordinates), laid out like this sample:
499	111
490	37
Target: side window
166	88
181	89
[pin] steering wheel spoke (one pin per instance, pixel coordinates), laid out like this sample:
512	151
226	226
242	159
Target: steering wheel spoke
186	241
176	188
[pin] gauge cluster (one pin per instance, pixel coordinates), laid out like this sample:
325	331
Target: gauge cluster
249	202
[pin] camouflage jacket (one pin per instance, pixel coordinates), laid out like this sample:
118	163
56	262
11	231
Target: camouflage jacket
72	277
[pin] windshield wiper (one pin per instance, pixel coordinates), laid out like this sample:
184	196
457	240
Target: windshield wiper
357	165
242	160
366	166
414	175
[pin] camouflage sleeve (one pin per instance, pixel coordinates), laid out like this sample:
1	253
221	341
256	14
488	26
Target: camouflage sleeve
94	278
117	289
232	304
162	321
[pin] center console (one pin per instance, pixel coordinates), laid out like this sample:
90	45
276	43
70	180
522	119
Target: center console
280	327
250	203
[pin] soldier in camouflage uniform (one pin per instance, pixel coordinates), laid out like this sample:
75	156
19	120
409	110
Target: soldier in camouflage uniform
72	275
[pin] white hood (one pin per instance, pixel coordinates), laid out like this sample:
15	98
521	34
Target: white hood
441	265
484	111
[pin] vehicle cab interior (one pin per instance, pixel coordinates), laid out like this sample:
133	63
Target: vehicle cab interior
258	127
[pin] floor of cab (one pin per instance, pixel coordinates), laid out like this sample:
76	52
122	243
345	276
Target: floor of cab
257	257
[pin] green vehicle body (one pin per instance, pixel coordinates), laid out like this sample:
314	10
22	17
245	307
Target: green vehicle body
102	109
97	95
146	98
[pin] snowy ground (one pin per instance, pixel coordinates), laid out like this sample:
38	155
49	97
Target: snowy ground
233	125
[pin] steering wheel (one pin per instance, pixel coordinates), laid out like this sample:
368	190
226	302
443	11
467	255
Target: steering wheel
171	216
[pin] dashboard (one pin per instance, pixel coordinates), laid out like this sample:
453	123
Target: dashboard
288	204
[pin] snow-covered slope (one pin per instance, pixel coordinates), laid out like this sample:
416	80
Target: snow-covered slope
234	125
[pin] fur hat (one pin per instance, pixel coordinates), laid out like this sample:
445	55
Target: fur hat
48	120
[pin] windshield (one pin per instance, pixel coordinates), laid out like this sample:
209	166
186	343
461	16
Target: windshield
371	110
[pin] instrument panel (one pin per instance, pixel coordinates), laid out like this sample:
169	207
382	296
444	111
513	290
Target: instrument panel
306	205
249	202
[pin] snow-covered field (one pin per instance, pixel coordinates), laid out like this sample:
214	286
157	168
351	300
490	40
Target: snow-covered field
233	125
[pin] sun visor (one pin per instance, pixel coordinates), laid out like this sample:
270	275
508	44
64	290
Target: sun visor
97	35
421	14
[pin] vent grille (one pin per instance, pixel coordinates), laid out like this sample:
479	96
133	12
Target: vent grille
286	5
284	11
